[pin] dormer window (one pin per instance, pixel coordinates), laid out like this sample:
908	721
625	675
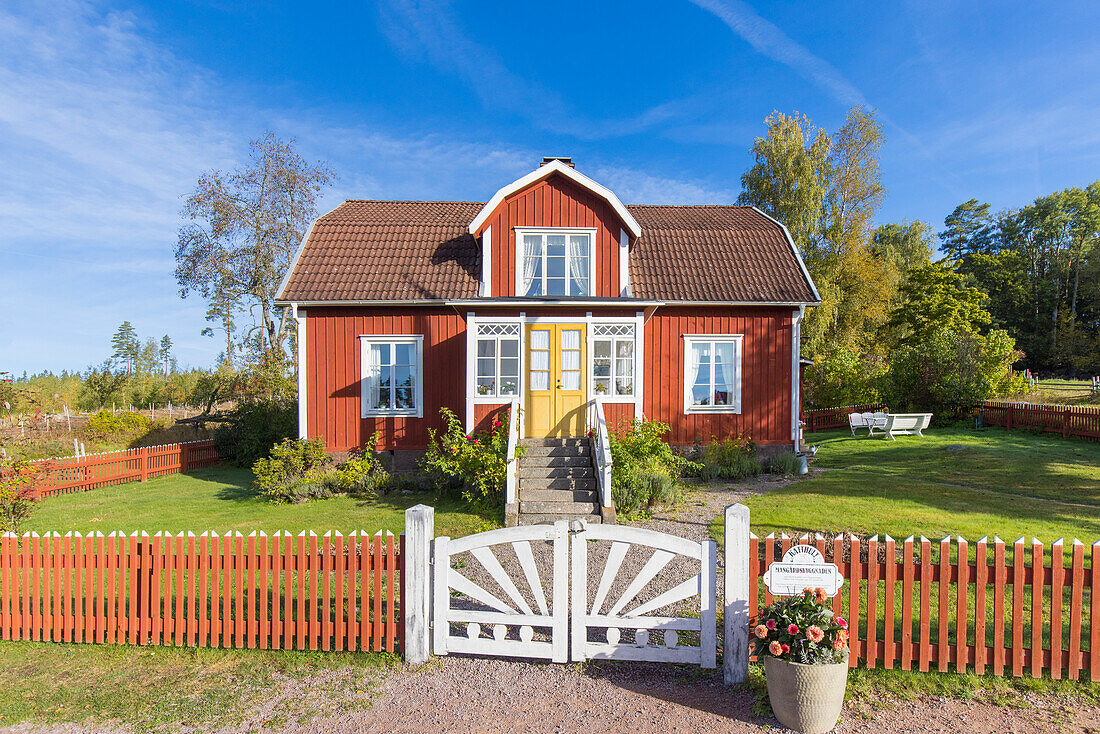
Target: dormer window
554	263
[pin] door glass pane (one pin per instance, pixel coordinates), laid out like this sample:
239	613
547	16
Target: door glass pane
570	359
571	339
571	380
540	361
540	380
540	339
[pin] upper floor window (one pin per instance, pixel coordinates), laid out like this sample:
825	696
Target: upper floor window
554	262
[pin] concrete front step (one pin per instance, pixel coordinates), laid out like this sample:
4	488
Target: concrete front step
551	519
557	451
557	483
557	508
558	495
554	442
573	471
544	461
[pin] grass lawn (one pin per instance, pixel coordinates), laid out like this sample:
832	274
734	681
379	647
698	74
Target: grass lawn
954	481
219	498
148	687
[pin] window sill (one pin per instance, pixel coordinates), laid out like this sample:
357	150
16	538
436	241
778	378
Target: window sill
391	414
712	409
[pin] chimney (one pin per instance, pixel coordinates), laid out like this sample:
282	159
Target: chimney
567	160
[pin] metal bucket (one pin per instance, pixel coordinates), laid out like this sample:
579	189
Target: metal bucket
803	464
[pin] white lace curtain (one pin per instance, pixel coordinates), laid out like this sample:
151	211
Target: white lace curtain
578	265
532	256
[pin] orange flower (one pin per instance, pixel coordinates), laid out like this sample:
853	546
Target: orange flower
819	595
776	648
761	631
838	644
814	634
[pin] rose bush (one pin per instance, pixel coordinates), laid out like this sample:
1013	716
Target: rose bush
801	629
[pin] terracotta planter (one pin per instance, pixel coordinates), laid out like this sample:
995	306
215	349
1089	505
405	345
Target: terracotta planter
806	698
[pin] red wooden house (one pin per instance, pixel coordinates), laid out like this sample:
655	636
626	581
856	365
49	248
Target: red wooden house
553	294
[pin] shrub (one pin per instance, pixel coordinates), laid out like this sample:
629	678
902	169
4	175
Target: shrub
17	494
293	472
784	463
476	464
645	471
254	426
733	457
362	474
801	629
105	422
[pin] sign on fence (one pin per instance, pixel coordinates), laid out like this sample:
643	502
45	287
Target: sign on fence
802	566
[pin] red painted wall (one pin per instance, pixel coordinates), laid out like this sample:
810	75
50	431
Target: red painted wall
555	202
333	373
765	372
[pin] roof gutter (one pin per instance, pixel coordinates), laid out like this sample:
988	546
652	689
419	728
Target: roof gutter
504	302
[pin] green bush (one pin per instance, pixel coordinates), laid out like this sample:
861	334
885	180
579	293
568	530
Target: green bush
254	426
784	463
645	471
362	474
733	457
17	494
106	423
295	471
475	465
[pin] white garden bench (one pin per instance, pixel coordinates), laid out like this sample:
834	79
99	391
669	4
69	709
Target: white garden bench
910	424
870	421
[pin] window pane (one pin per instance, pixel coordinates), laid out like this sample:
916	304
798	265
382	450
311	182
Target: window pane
555	245
509	385
404	398
403	375
624	348
485	385
602	385
382	391
509	347
703	352
601	367
404	354
578	286
624	386
486	368
534	268
723	352
380	353
486	347
700	394
555	267
624	367
601	348
578	264
555	286
509	367
721	396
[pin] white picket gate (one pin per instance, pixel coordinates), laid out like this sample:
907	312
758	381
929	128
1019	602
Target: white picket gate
509	626
528	624
617	616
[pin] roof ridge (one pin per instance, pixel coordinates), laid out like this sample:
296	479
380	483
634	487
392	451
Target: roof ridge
411	201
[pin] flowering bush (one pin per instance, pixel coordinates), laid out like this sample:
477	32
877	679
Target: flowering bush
18	478
645	471
477	463
801	629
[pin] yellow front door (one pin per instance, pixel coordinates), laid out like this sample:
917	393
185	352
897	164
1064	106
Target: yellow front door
555	402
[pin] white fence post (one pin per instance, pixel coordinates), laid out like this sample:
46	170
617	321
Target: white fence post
417	575
735	653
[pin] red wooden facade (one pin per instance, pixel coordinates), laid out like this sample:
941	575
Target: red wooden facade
555	202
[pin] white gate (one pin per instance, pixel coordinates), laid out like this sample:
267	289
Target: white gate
509	626
527	624
656	638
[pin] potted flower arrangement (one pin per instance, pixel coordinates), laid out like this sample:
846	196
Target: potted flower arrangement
805	653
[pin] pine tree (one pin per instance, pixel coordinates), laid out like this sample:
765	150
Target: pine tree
126	345
166	352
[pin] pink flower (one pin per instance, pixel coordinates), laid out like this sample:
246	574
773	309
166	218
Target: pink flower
454	450
786	649
770	624
775	648
842	623
814	634
792	629
761	631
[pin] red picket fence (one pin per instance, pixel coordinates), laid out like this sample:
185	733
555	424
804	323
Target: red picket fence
283	592
1082	421
822	419
79	474
1004	609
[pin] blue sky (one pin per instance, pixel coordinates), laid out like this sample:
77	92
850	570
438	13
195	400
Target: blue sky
110	111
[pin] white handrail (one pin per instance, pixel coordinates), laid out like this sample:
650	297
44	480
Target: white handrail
603	451
512	472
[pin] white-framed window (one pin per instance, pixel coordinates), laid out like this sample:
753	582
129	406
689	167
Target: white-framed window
552	262
613	360
497	360
393	375
712	373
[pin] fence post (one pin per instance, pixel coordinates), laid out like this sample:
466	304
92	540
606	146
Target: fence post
142	452
735	652
416	577
185	450
1065	423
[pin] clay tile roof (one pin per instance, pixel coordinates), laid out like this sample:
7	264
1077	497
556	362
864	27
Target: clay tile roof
389	250
416	250
713	253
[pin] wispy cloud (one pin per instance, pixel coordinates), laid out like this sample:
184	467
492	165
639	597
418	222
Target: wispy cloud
427	30
768	39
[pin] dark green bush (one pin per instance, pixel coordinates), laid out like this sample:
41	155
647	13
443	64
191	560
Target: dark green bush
733	457
294	471
254	426
784	463
645	471
475	465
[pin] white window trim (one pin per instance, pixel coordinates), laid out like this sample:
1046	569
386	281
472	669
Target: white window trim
689	340
520	231
486	290
365	342
478	336
591	337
